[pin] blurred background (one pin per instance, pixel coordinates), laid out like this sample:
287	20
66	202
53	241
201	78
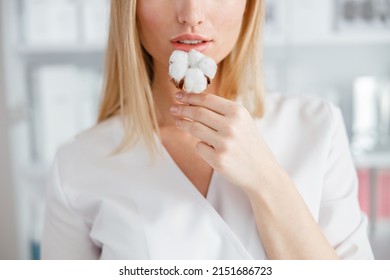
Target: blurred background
51	64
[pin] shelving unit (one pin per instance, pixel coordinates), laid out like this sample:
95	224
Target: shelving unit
27	64
27	51
303	54
309	56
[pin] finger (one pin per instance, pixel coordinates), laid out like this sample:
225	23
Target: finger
211	101
199	114
198	130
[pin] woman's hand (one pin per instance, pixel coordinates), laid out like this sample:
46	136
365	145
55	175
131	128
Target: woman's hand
232	145
229	140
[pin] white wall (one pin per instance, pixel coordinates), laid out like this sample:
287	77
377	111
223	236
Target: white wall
8	234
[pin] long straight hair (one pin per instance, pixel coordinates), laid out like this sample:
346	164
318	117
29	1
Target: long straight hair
129	72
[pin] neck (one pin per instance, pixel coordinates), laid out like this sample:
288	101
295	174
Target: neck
164	94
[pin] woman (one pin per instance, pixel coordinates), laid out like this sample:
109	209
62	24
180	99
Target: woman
227	174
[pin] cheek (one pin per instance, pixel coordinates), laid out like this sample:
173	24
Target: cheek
152	22
228	26
232	27
148	20
231	18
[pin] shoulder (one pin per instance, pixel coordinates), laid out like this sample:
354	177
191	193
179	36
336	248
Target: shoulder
90	155
299	127
301	112
302	106
90	164
95	151
307	137
98	141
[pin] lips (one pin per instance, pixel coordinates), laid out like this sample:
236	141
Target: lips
188	42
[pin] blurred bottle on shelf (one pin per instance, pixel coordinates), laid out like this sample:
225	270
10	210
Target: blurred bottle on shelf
384	115
37	216
364	193
357	15
365	114
371	115
382	194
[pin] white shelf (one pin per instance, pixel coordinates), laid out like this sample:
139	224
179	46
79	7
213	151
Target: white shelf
332	40
345	39
60	49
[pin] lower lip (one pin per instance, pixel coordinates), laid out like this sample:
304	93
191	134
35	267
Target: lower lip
201	47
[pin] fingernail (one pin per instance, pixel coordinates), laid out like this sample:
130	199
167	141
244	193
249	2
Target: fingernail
179	122
174	109
179	95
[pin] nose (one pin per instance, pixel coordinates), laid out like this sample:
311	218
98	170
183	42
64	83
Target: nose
191	12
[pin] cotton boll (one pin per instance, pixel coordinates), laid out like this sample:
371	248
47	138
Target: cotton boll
208	66
191	72
194	57
177	71
179	57
195	81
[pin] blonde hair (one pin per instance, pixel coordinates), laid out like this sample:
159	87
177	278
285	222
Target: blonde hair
129	73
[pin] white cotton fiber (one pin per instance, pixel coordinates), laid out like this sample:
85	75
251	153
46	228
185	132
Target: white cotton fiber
177	71
191	71
208	66
194	57
195	81
179	57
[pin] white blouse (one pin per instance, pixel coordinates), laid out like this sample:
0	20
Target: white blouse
129	207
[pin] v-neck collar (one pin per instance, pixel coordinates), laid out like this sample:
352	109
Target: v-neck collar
183	176
204	202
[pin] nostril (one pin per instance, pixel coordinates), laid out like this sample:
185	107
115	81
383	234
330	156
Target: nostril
190	22
191	19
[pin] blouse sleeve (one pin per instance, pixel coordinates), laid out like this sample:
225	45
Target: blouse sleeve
340	216
65	235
